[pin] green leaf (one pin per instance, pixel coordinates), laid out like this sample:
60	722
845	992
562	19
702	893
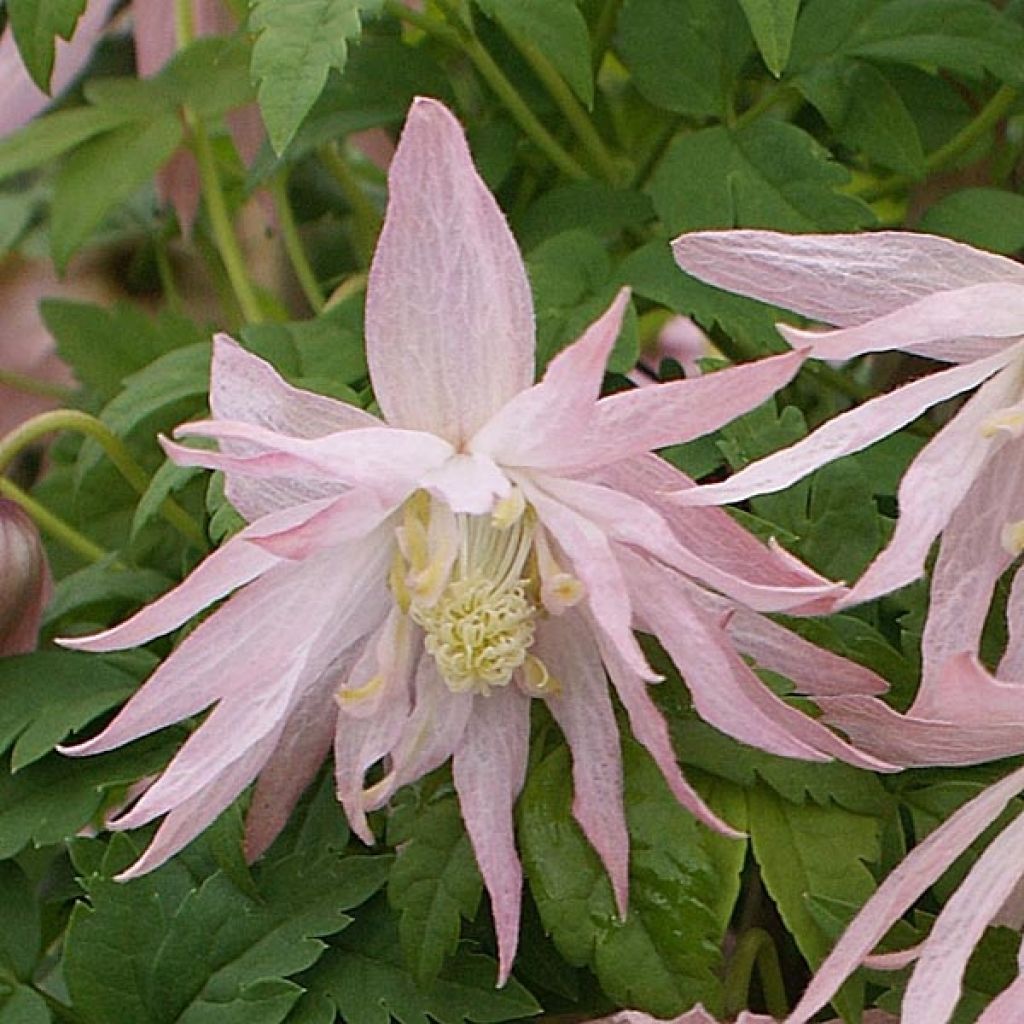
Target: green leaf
22	1005
48	137
166	481
47	695
298	42
772	22
363	978
985	217
585	206
21	936
210	954
104	172
103	593
435	883
557	29
16	212
36	24
684	55
866	112
664	957
809	850
769	174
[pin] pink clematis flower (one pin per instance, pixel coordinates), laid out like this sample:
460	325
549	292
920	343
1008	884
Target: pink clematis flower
698	1015
25	583
409	586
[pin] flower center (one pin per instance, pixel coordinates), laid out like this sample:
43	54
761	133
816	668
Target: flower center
476	584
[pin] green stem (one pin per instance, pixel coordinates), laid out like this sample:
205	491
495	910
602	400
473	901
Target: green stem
220	221
367	217
51	524
604	28
768	99
71	419
755	947
184	22
293	243
166	274
499	83
33	386
570	107
987	118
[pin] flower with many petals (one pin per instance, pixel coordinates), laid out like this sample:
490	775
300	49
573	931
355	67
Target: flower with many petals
406	588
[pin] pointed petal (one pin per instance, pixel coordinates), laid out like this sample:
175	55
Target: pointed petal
594	564
935	483
934	988
971	560
584	713
488	769
634	422
649	727
449	316
992	311
847	433
837	279
1012	664
962	715
524	430
468	483
921	868
725	692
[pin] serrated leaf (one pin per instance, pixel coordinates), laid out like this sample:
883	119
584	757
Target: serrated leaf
434	884
36	24
16	212
102	588
557	29
663	958
989	218
363	977
809	850
47	695
104	172
165	482
22	1005
772	22
684	55
583	205
21	935
769	174
298	42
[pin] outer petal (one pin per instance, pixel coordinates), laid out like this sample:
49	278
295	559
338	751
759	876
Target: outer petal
847	433
936	482
972	558
1012	664
489	768
939	321
634	422
584	713
934	988
559	408
449	317
838	279
919	870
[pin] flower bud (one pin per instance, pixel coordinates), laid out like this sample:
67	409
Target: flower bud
24	580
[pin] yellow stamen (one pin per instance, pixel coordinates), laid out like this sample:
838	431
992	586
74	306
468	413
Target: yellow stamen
537	681
508	510
1009	420
360	693
1012	537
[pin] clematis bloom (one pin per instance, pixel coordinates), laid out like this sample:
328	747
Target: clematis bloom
406	587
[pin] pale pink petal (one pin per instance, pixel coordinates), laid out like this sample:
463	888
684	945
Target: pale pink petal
921	868
632	521
713	536
488	768
1012	664
594	563
468	483
961	716
20	98
178	186
847	433
649	727
934	988
971	560
193	816
633	422
682	341
156	39
992	311
725	691
838	279
936	482
449	316
234	650
583	710
553	412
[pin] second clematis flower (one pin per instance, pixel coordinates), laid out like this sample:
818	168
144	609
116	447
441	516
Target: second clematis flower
407	587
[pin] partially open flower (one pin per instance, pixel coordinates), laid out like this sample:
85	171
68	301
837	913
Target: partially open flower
24	580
